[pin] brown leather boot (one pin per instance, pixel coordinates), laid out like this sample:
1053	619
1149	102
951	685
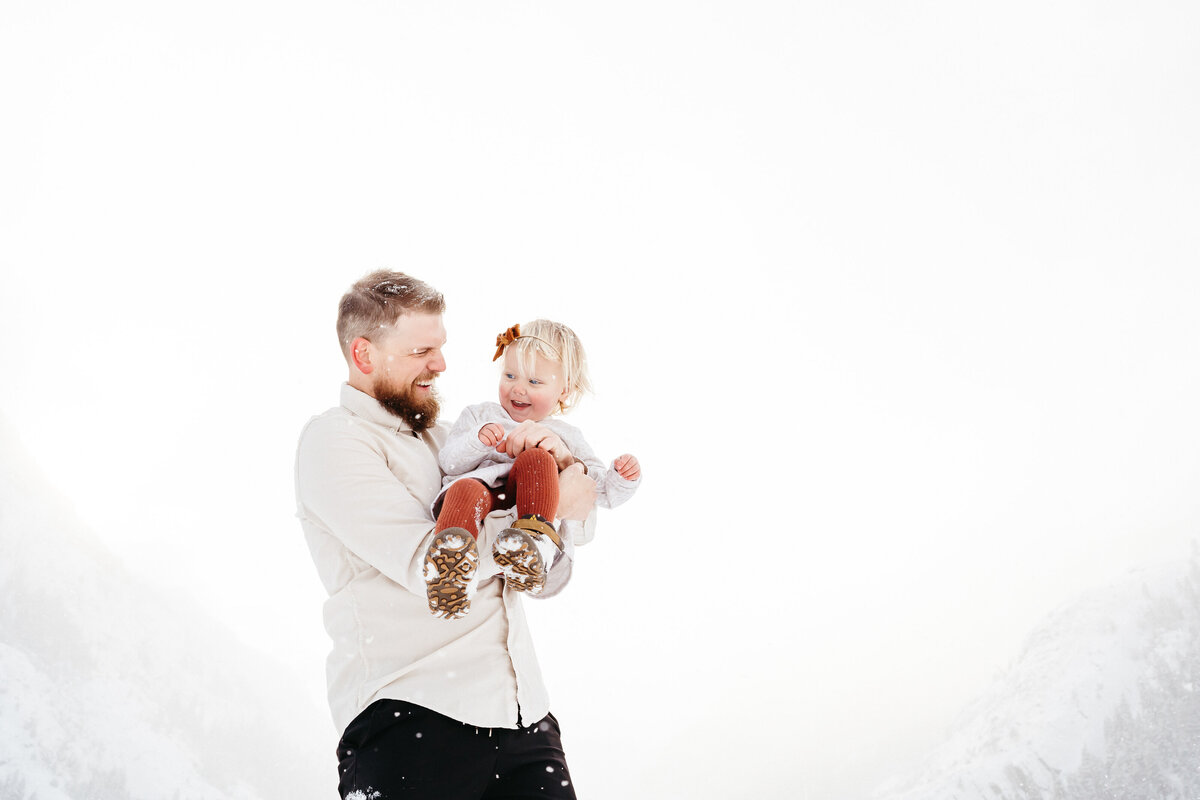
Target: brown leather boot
519	556
450	566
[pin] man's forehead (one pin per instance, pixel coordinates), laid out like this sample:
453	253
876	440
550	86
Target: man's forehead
419	329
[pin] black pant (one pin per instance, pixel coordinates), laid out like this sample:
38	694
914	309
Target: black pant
399	751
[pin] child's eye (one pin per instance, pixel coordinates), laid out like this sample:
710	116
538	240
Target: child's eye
510	376
534	381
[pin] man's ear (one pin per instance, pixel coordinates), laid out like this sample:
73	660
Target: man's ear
360	355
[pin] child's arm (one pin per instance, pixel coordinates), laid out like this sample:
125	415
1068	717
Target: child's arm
465	448
582	452
621	481
612	487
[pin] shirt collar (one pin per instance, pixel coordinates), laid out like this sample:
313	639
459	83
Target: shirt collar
361	404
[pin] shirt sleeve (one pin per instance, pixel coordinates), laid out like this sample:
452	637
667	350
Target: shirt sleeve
345	487
611	489
581	450
615	489
573	532
463	452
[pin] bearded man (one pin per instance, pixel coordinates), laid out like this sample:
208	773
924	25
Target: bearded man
452	709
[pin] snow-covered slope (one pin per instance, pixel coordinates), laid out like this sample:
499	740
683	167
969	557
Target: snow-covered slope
1103	702
109	689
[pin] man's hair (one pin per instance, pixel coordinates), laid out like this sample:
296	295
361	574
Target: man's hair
554	341
377	300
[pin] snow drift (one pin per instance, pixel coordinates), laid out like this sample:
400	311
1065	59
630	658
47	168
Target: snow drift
110	689
1102	704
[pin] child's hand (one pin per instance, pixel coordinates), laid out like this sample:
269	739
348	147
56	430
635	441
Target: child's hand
490	434
627	467
528	435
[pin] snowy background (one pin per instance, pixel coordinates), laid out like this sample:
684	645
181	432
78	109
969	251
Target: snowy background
895	302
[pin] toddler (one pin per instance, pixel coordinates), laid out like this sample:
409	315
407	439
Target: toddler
544	374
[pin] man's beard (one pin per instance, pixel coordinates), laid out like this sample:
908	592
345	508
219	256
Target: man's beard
419	412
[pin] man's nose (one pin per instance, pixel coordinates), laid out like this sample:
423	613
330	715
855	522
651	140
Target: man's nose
438	364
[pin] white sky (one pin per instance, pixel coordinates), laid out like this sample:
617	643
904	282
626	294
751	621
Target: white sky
896	303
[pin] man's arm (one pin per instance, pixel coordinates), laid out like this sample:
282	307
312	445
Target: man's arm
345	487
576	493
576	523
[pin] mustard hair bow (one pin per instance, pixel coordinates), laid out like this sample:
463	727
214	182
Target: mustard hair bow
505	339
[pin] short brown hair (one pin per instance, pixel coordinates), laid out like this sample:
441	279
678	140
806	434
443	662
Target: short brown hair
379	299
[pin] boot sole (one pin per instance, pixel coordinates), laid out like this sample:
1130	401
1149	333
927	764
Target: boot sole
519	559
449	566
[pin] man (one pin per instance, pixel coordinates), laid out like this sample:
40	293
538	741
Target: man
430	707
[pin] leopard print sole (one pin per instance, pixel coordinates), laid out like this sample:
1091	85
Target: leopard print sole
449	566
519	559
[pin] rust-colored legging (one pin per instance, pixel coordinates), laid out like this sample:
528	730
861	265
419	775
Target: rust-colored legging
532	488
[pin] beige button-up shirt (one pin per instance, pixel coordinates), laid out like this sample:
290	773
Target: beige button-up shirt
364	484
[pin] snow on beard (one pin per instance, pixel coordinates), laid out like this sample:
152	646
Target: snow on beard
402	401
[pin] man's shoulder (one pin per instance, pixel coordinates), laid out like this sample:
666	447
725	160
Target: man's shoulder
335	423
333	416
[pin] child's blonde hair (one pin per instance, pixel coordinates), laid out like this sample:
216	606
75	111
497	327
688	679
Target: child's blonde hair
554	341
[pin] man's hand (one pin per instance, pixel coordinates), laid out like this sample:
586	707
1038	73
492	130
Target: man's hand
491	434
576	493
627	467
529	435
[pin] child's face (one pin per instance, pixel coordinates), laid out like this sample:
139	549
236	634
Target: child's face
531	396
